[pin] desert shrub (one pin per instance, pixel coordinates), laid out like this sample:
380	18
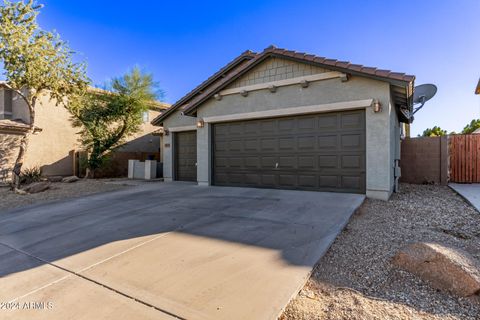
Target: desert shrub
30	175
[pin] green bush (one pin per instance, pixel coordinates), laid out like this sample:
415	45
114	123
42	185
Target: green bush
30	175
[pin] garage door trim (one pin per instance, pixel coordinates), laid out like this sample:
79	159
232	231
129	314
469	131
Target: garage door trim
292	111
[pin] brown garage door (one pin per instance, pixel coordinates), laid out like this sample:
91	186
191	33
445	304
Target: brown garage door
323	152
186	156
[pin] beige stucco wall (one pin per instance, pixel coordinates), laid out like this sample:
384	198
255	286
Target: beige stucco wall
51	149
379	126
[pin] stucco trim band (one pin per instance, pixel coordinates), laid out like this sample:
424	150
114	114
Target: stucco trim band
285	82
328	107
183	128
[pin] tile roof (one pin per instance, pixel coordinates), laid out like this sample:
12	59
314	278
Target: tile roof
193	99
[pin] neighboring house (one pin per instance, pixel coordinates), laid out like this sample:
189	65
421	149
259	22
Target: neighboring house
288	120
55	141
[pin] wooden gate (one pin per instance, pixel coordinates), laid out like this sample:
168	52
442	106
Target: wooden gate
465	158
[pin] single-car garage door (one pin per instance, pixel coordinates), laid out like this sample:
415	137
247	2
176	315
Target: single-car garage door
186	156
324	152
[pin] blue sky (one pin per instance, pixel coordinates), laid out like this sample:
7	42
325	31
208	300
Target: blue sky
182	43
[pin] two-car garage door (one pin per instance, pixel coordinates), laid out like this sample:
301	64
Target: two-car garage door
323	152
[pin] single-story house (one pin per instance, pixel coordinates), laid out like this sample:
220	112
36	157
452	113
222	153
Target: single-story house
289	120
55	141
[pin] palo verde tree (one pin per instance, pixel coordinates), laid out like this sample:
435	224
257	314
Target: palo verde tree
35	62
108	117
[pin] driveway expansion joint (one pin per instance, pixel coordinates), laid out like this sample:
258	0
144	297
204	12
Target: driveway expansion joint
84	278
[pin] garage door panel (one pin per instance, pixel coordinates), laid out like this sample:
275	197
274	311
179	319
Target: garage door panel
328	181
311	152
306	162
327	123
268	126
352	162
268	163
328	161
286	124
186	156
351	141
287	162
327	142
352	121
221	146
287	180
306	124
252	179
307	181
286	144
351	182
268	144
306	143
251	127
251	145
252	162
268	180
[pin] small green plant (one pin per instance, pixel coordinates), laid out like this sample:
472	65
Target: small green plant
30	175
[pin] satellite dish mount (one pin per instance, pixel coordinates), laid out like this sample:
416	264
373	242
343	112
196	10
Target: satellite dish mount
422	94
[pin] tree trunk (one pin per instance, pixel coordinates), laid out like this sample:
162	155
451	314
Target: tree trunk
90	173
17	168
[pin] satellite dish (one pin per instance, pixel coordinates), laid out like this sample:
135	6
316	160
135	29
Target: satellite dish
422	94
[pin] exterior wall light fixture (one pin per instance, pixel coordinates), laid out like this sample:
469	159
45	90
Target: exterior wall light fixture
377	106
244	93
166	132
200	123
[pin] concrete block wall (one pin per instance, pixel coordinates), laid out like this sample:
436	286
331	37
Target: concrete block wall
424	160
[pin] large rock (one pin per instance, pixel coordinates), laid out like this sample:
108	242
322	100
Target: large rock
70	179
445	268
36	187
55	178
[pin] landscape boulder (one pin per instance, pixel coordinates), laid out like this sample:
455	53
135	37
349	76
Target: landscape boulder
70	179
55	178
37	187
444	267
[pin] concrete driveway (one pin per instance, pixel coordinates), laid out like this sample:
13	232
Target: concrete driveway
166	250
470	192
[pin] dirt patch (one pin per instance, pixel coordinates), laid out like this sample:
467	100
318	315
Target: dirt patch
355	279
9	199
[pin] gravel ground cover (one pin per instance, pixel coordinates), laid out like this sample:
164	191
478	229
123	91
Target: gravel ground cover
355	279
57	191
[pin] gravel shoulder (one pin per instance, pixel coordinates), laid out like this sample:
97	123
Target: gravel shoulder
57	191
355	279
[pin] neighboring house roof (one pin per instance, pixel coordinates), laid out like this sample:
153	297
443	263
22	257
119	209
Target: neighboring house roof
477	89
7	125
477	131
402	83
154	105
